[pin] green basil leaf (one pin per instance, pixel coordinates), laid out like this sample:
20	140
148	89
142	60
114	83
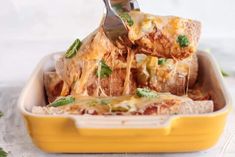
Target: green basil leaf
62	101
162	61
118	8
183	41
73	49
1	114
3	153
225	74
144	92
127	18
104	71
123	14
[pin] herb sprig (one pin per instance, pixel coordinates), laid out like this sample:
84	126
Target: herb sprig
63	101
1	114
73	49
144	92
183	41
127	18
225	74
123	14
3	153
162	61
104	70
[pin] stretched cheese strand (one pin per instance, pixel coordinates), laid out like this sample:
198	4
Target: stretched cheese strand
111	77
99	87
87	69
130	59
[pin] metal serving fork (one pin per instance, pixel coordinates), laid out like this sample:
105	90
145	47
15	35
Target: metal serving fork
113	25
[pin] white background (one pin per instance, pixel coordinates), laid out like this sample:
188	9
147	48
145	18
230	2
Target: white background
30	29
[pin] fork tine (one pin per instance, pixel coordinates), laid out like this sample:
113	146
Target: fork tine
114	26
128	5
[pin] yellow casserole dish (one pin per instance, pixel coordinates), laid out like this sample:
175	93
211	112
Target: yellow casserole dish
105	134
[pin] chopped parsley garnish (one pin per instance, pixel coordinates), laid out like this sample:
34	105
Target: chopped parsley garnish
3	153
118	7
73	49
144	92
62	101
104	70
225	74
126	18
123	14
162	61
183	41
1	114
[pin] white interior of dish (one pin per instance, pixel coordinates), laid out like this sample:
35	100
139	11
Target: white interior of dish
209	74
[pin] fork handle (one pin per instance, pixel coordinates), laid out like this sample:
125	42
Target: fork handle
108	5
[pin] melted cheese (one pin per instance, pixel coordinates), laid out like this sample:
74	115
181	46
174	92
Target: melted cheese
87	69
144	24
126	104
99	90
127	82
90	55
172	27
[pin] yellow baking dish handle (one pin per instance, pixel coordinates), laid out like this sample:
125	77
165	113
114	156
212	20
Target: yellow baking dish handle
117	126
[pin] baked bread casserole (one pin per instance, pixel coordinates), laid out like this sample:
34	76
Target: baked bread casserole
153	71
